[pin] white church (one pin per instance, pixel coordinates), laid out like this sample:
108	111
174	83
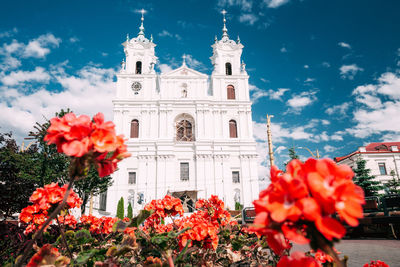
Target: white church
190	134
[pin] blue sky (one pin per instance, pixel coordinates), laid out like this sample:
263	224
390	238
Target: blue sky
329	71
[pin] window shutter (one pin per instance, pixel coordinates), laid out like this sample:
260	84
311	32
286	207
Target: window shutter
232	129
135	129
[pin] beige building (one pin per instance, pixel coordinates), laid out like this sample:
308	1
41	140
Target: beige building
381	159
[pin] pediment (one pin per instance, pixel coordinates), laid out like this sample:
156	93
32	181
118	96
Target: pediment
184	72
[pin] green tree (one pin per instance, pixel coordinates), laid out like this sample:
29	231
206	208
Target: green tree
120	208
130	211
16	175
93	185
53	166
365	180
393	185
292	155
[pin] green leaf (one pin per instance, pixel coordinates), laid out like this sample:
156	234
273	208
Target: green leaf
120	226
84	256
183	252
143	215
83	236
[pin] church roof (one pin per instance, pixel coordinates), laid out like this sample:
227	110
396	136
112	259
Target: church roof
184	71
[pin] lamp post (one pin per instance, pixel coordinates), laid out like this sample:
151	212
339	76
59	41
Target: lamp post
269	135
312	154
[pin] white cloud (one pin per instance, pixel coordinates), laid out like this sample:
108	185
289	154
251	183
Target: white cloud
306	66
283	50
165	33
338	109
325	122
277	95
165	68
244	5
9	33
39	47
309	80
74	39
87	92
328	148
298	102
17	77
256	93
248	18
349	71
380	107
194	63
275	3
344	45
326	64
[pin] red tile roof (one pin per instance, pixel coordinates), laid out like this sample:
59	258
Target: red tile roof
381	147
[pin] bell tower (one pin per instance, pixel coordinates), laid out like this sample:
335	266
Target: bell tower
137	77
228	69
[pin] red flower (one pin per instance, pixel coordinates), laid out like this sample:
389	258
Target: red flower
305	198
297	259
43	199
377	263
79	136
47	256
322	257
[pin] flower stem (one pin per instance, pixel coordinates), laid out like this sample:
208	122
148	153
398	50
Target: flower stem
64	239
328	249
39	233
170	261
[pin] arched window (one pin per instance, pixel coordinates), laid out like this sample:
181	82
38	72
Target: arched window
231	92
135	129
228	68
232	129
138	67
184	128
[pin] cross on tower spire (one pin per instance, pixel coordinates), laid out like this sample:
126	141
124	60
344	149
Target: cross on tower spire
184	60
141	28
225	35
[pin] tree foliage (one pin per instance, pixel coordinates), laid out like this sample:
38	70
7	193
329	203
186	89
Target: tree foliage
53	166
120	208
392	187
130	211
292	155
365	180
17	175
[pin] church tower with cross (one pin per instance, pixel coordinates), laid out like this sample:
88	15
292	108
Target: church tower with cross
190	134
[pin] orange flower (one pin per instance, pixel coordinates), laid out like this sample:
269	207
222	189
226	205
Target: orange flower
297	259
349	198
79	136
377	263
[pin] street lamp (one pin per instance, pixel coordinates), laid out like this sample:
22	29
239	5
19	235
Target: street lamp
316	152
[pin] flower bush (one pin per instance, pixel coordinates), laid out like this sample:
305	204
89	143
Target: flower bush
45	199
307	204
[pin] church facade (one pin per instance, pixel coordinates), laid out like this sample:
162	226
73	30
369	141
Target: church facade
190	134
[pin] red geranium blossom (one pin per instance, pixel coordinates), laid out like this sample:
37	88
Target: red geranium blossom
81	136
377	263
297	259
45	198
305	197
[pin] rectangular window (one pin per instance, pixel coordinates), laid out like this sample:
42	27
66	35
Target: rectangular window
184	171
103	201
382	168
235	177
132	178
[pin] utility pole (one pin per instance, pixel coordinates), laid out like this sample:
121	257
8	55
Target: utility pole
269	135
